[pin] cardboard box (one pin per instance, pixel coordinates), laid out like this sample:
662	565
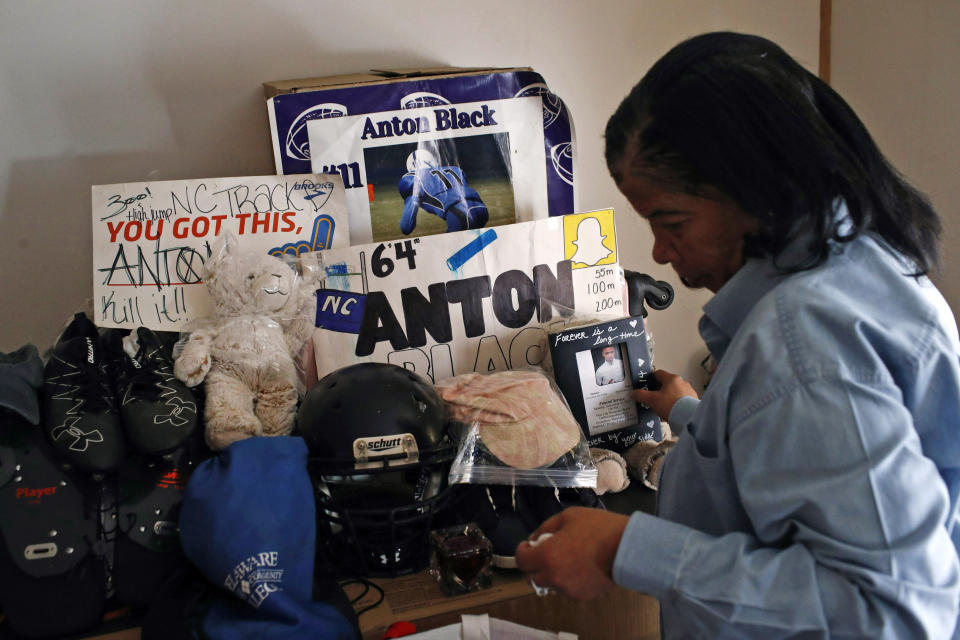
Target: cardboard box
292	104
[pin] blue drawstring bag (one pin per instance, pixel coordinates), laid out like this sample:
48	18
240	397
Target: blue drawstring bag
248	523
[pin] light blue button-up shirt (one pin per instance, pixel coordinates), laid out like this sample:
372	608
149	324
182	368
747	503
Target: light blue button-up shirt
813	492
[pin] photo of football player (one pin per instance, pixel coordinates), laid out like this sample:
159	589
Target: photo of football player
428	186
441	190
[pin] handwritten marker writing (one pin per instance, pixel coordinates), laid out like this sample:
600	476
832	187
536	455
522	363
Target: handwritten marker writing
474	247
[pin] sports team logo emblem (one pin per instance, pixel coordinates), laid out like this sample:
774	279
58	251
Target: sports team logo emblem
561	156
255	578
552	105
177	408
81	439
298	144
422	99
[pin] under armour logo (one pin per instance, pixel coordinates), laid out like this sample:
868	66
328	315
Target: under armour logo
81	439
178	407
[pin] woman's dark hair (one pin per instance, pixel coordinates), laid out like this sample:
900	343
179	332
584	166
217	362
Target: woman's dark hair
736	113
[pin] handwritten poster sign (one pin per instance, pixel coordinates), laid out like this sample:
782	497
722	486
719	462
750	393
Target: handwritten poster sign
150	239
478	300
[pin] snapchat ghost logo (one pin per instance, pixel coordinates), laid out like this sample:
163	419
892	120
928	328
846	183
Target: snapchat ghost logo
590	239
589	243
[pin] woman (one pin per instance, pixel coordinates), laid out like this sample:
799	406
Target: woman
814	488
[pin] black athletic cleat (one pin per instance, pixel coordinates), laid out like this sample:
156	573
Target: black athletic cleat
80	415
158	411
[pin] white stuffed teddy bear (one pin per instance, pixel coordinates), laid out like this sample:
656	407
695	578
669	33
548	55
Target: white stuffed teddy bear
245	352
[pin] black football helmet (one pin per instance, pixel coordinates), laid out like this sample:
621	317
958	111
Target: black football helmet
379	458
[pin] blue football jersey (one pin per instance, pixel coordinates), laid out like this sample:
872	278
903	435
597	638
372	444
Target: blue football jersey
442	191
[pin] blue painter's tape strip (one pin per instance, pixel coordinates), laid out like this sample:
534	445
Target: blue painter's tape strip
475	246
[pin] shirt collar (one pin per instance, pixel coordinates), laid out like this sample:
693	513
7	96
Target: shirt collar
729	307
726	311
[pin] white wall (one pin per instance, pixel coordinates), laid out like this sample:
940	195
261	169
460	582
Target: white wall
896	64
97	92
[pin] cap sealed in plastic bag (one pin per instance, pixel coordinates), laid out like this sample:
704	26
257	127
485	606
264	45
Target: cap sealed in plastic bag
516	429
